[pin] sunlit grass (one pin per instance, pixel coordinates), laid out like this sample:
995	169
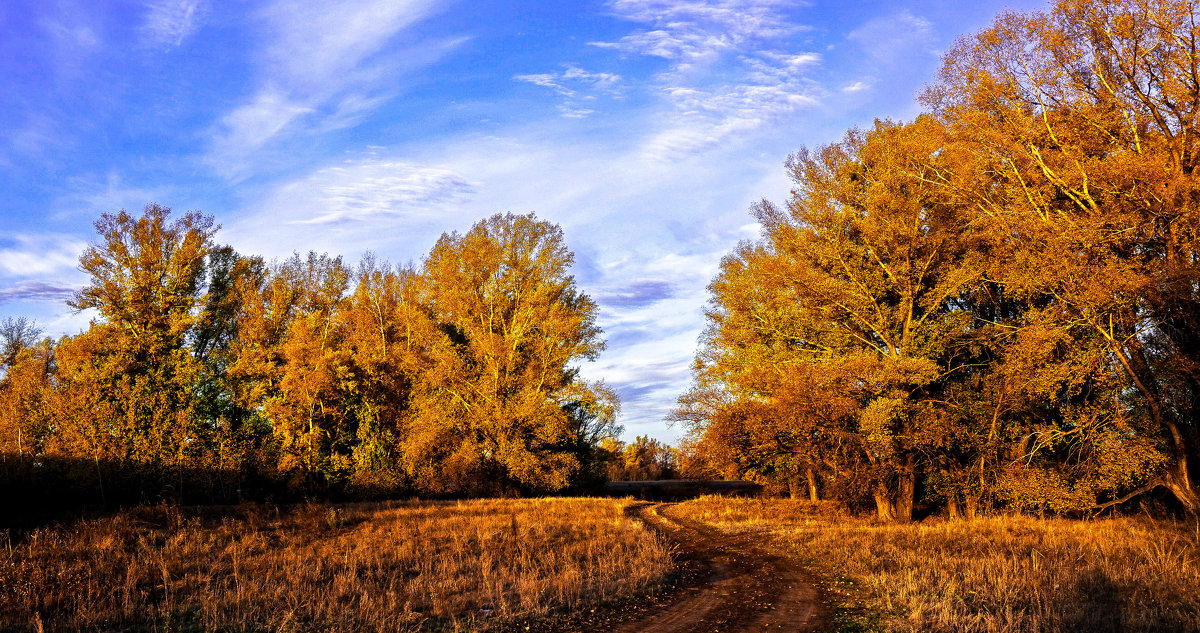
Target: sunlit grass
999	574
362	567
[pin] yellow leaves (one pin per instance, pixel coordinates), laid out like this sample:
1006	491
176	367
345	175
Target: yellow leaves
837	332
970	277
877	422
508	321
26	415
145	272
455	377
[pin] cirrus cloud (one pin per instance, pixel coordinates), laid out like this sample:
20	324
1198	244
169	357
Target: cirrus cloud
32	255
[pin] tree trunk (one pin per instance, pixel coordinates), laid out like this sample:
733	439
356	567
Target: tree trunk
906	490
794	486
952	505
1179	479
885	508
812	485
970	506
1180	485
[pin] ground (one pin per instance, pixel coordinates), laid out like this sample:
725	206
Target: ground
580	564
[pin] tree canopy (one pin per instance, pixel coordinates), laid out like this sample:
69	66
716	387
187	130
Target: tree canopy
994	305
458	376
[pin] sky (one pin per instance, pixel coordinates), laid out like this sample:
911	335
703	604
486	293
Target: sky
644	128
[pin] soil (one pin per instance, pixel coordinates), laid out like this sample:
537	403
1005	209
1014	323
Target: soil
723	582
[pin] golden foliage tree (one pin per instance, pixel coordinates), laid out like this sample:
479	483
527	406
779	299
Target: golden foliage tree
1085	116
307	376
26	417
839	323
145	284
386	332
1000	299
508	322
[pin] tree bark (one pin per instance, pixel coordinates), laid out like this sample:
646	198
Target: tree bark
1178	479
970	506
884	506
905	492
1180	485
813	494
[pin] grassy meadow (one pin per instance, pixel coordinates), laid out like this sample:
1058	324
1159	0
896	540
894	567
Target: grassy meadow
398	566
1005	574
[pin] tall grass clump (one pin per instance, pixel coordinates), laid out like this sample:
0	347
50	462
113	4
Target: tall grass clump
1004	574
400	566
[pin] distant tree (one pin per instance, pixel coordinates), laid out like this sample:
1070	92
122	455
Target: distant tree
644	459
593	409
696	461
26	416
26	370
16	334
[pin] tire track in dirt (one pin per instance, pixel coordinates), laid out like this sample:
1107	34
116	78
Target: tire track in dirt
730	583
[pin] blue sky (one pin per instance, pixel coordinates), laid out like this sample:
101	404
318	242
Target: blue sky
645	128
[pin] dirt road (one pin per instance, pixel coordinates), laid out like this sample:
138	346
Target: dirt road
745	589
726	582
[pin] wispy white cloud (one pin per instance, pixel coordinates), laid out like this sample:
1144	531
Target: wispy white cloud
690	30
560	82
732	68
35	255
371	188
321	68
34	138
316	43
577	87
169	22
248	127
71	33
705	118
857	86
392	205
86	196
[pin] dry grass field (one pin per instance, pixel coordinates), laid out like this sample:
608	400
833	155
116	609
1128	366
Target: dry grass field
401	566
1001	574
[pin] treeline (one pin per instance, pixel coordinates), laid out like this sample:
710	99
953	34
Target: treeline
643	459
996	306
214	376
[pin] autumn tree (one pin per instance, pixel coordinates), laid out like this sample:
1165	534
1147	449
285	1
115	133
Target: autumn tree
232	438
145	284
1086	118
25	383
593	409
26	416
307	375
386	331
492	408
16	334
643	459
839	326
290	365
